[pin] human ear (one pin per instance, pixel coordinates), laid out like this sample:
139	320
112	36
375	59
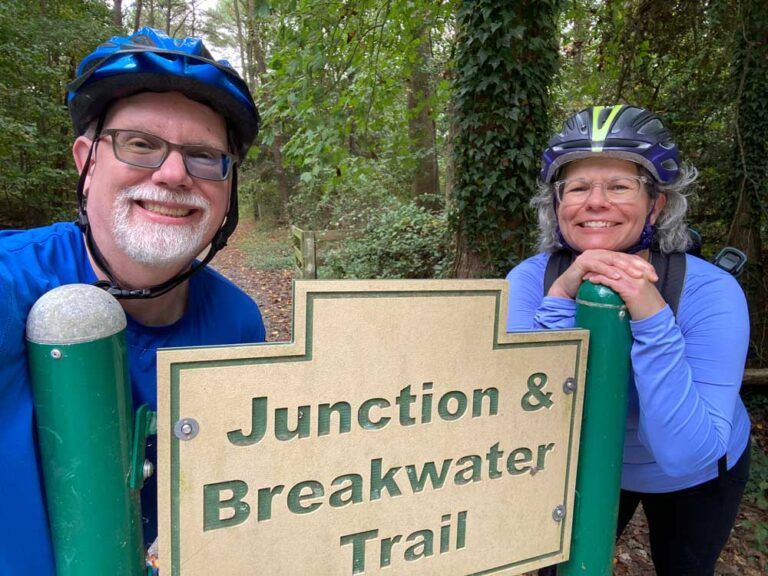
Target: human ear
80	150
658	206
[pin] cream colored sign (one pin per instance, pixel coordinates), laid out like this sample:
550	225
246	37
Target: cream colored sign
402	432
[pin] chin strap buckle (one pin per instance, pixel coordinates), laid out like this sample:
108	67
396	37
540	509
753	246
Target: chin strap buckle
118	292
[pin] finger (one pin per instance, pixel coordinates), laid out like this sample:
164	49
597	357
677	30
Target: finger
603	280
607	271
636	267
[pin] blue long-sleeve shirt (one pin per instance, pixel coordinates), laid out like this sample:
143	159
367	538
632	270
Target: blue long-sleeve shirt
33	262
684	406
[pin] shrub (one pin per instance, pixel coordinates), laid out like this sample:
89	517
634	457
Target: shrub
399	240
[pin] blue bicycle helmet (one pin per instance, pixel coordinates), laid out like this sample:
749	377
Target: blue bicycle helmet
624	132
151	61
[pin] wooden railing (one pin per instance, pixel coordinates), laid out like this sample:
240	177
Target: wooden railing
306	247
755	377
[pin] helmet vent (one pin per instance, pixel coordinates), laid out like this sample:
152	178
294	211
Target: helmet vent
142	40
604	113
653	127
581	124
625	143
578	144
620	131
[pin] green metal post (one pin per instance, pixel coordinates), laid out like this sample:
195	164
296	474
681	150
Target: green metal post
77	358
603	313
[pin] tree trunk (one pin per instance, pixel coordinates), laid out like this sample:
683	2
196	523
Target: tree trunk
257	70
750	149
505	59
249	66
469	263
744	231
117	13
137	18
421	126
241	40
192	12
168	15
276	147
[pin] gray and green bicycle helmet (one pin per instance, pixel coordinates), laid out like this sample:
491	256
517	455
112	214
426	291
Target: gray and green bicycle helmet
624	132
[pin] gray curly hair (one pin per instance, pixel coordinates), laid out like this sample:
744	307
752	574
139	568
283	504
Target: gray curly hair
671	228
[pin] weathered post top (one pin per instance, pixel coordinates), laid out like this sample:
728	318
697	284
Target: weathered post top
73	314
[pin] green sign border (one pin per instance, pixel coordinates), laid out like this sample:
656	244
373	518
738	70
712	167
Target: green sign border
178	367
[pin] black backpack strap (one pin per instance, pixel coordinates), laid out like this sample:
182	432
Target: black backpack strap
557	264
671	271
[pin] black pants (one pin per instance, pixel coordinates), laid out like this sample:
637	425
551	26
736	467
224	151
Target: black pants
688	528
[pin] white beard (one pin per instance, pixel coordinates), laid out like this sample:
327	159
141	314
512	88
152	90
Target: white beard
157	244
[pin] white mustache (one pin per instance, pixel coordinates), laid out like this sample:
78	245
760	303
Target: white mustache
150	193
153	243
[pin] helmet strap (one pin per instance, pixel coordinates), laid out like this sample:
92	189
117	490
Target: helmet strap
646	236
82	211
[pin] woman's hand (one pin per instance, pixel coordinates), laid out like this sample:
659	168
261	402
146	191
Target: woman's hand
631	276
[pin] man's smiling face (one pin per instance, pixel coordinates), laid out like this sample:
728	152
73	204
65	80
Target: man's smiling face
160	217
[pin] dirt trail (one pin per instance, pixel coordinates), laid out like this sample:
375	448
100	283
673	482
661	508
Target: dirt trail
271	289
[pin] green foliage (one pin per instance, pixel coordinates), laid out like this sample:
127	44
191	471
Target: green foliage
673	58
335	93
750	170
506	57
757	487
750	76
40	45
258	192
402	240
362	187
756	492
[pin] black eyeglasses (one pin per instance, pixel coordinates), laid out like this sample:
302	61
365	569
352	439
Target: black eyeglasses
149	151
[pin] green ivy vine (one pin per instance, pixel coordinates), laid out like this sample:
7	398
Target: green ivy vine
505	61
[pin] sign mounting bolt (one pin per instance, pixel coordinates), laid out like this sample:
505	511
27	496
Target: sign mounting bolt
186	429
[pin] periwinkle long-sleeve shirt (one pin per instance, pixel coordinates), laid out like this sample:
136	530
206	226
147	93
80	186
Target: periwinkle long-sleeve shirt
684	406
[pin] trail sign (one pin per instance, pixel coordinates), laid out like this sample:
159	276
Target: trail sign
401	432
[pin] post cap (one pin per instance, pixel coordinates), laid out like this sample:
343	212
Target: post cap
73	314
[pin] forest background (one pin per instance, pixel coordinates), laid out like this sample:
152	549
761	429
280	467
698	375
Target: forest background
420	123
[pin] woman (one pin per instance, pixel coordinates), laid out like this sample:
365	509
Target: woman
611	196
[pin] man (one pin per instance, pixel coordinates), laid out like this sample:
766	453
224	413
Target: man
162	128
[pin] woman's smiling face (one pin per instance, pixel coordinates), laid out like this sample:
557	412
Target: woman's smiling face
595	222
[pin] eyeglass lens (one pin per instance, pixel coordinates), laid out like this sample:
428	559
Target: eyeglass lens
150	151
617	190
